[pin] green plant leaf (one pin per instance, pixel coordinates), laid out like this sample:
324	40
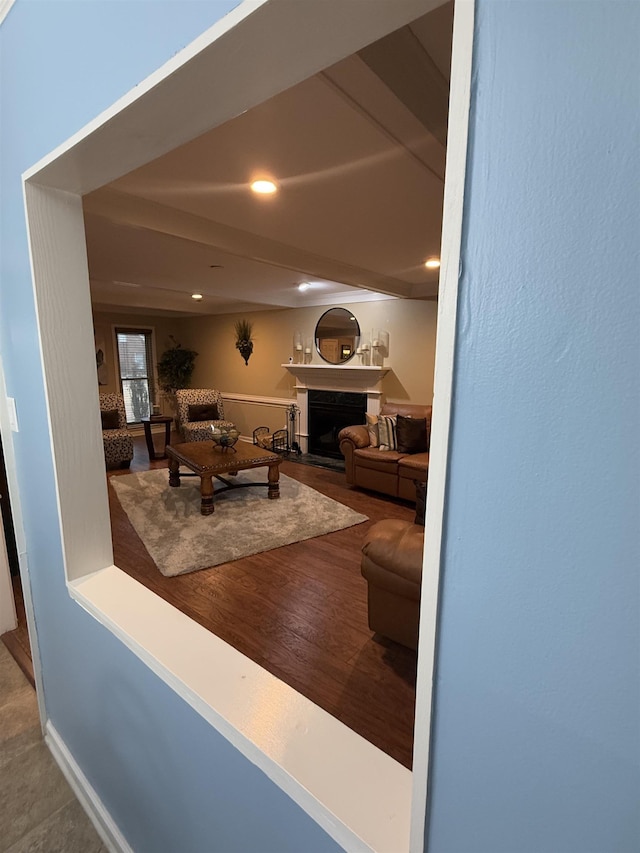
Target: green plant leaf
175	367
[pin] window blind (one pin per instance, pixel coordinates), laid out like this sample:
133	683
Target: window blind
136	372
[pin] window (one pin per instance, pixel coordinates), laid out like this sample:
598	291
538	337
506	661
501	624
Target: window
135	358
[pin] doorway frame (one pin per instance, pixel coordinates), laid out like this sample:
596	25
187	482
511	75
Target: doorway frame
369	807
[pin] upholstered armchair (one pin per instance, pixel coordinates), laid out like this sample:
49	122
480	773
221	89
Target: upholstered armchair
117	440
198	410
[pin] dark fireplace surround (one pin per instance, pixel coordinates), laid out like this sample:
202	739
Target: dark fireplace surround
328	412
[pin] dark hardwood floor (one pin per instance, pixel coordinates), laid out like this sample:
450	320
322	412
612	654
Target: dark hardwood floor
299	611
17	641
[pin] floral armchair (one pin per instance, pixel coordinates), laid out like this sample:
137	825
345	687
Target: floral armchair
117	440
198	410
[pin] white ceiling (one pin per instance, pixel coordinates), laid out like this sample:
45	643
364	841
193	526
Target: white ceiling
358	152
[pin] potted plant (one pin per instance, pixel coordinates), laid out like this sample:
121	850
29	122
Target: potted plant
175	369
243	339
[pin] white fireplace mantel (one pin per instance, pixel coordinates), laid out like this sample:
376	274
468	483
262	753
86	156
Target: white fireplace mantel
335	377
359	376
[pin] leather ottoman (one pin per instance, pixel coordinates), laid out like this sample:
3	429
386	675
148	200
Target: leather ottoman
392	566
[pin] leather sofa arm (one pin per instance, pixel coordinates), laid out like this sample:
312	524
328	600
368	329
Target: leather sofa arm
358	435
351	438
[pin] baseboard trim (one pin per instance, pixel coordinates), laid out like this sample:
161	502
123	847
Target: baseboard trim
104	824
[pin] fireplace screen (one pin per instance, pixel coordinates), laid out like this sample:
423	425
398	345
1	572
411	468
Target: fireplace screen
329	412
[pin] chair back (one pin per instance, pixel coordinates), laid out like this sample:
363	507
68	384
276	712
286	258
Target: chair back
186	397
111	402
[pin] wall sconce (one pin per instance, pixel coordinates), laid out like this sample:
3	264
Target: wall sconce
244	344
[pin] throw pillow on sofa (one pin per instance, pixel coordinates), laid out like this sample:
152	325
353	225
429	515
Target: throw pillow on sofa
411	435
372	429
110	419
387	432
204	412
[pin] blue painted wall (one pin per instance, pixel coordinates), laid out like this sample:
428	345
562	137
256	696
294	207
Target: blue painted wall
536	730
171	783
537	723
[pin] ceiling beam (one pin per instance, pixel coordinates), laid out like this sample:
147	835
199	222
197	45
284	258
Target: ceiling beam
138	212
403	64
346	80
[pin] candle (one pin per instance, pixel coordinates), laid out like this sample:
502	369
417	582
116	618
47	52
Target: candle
308	350
298	346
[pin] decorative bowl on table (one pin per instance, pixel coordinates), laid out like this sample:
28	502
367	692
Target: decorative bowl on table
224	437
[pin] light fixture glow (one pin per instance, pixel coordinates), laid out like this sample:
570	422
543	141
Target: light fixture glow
304	286
196	296
264	187
432	263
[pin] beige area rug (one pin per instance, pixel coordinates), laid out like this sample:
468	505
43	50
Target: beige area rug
179	539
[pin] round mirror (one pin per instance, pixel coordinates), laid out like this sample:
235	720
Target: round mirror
337	335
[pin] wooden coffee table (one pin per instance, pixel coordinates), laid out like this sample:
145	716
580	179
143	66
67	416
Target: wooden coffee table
207	461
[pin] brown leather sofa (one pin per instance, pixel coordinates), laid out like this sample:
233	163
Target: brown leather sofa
387	471
392	566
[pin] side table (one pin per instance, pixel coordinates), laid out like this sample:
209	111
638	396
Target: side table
147	423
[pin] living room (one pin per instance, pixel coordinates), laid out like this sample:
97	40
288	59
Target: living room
400	299
293	594
247	389
188	225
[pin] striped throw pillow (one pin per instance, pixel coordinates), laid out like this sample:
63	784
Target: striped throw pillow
387	432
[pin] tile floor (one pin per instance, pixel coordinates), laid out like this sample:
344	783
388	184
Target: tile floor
38	810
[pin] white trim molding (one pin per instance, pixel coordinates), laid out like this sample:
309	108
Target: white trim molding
362	375
251	399
5	8
104	824
362	797
459	103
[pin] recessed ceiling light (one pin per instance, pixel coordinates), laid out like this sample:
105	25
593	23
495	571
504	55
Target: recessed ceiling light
304	286
196	296
432	263
264	187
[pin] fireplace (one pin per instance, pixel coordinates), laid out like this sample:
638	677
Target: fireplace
328	412
351	380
